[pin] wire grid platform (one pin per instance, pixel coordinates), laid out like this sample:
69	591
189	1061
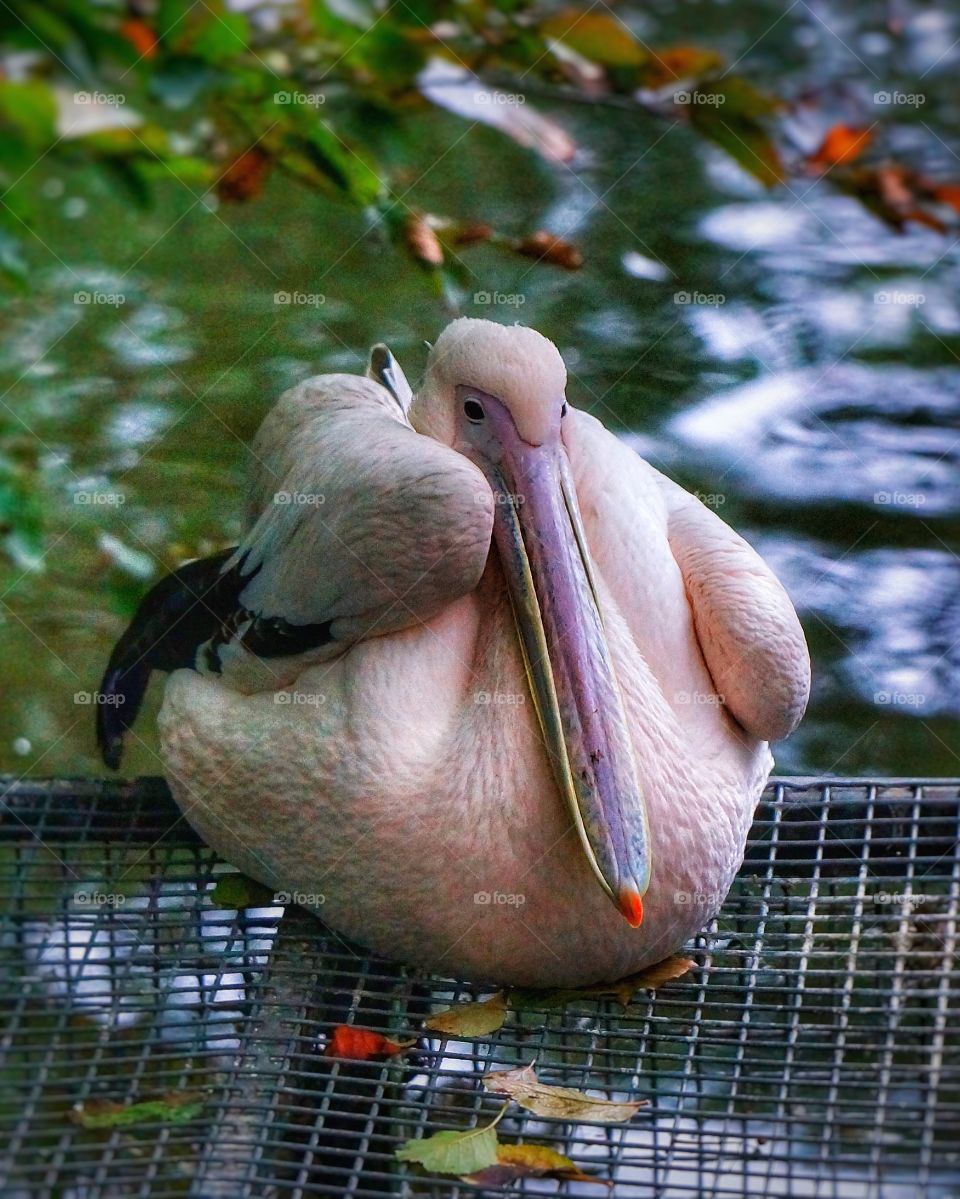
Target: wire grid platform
813	1051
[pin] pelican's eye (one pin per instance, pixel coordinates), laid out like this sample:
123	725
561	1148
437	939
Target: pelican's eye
473	411
563	410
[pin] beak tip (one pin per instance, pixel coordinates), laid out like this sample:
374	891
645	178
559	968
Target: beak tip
631	907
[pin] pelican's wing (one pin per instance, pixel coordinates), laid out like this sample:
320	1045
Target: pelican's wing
357	526
748	630
368	526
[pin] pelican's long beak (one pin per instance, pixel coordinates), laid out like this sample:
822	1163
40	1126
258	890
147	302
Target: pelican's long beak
543	551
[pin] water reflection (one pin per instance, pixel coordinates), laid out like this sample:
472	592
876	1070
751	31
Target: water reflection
883	436
816	392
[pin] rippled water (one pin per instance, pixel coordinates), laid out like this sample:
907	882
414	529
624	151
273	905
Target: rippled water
813	400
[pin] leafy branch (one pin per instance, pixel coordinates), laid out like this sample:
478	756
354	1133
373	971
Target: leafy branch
147	90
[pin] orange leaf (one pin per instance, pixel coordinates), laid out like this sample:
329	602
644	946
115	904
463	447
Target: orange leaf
842	144
361	1044
422	241
245	176
546	247
140	36
466	235
652	978
927	218
947	193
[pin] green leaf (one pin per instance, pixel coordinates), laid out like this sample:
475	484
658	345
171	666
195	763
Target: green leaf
173	1108
171	17
729	112
28	112
453	1152
239	891
222	37
315	153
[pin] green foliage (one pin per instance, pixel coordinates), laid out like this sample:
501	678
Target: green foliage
217	98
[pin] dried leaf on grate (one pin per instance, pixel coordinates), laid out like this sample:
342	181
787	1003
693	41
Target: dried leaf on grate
559	1103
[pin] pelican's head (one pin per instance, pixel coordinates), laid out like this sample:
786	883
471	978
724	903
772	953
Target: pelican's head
496	394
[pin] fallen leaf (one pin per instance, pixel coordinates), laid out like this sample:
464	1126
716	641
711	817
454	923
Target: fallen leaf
650	979
245	176
600	37
239	891
422	241
453	1152
546	247
623	989
140	36
559	1103
470	1019
175	1107
842	144
530	1161
360	1044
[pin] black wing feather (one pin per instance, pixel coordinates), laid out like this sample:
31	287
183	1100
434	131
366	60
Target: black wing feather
196	606
173	620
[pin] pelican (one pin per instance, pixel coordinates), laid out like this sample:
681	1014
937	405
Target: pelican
480	685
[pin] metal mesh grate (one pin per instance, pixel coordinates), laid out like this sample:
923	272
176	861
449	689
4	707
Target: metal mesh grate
812	1053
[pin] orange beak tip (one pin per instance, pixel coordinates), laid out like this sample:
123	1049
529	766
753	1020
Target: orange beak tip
631	908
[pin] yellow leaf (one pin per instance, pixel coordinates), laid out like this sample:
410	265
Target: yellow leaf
470	1019
530	1161
598	36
